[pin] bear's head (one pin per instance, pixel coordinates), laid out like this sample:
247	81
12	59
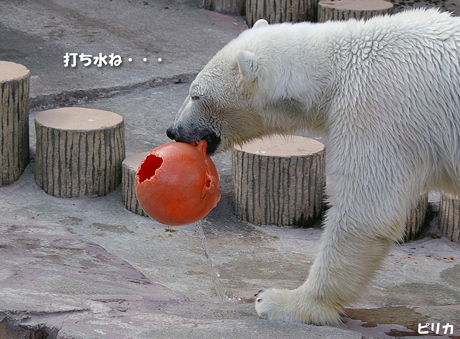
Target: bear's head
220	105
258	84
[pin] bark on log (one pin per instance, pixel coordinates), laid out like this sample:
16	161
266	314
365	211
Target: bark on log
449	217
14	123
79	152
128	183
232	7
352	9
416	220
279	181
276	11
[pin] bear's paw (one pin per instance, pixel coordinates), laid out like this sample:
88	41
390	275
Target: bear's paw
295	306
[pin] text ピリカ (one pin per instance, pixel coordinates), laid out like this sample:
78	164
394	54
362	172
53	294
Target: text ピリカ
435	328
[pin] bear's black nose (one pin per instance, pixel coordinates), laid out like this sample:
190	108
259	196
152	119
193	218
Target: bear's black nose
170	134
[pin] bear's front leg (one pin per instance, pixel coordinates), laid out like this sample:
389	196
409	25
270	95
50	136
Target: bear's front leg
346	262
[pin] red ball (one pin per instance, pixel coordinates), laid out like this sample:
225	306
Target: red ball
177	183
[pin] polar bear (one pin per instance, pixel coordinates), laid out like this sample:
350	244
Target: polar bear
386	94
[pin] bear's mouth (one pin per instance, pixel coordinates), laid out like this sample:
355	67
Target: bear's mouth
212	139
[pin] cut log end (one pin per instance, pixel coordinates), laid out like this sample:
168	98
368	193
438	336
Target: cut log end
79	152
14	121
78	119
415	223
128	186
352	9
279	181
275	11
11	71
449	217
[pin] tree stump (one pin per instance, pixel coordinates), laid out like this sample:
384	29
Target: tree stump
449	217
14	123
416	220
276	11
79	152
352	9
232	7
279	180
128	183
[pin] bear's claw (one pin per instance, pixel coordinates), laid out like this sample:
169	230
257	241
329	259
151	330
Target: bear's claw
257	294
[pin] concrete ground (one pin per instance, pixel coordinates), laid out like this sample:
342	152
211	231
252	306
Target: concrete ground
91	269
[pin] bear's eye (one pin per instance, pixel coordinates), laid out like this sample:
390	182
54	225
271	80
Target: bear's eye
195	97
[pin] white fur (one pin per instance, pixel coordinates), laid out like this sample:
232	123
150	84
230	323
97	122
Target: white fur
386	93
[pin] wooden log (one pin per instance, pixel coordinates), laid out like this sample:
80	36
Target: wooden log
449	217
231	7
79	152
128	183
352	9
14	122
279	180
416	220
277	11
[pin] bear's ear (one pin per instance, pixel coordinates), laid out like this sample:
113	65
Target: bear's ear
248	65
260	23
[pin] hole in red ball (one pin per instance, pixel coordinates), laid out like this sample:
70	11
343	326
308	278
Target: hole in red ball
149	167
